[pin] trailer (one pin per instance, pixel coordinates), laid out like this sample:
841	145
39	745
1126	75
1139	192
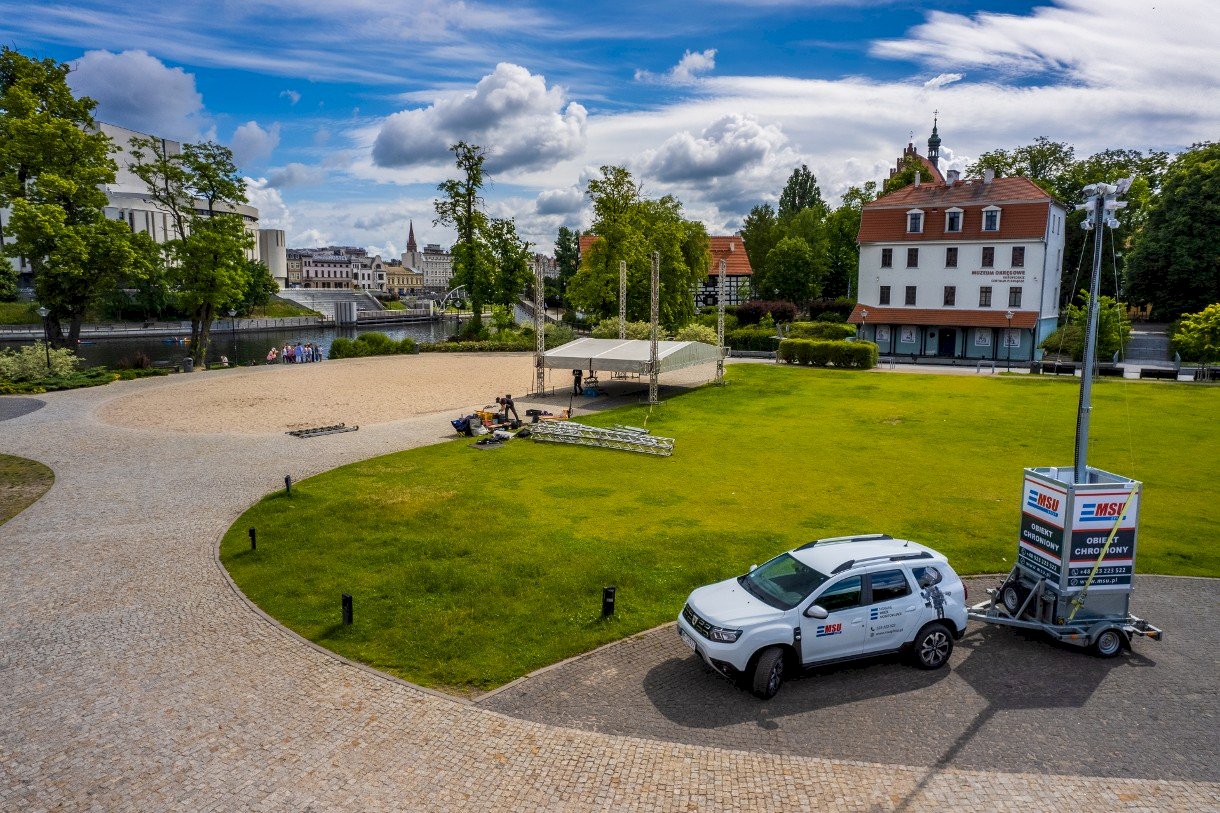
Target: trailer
1076	549
1075	561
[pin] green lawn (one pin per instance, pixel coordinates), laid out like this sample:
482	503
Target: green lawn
278	308
22	482
470	568
19	313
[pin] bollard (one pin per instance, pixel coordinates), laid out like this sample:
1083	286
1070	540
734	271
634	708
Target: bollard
608	601
253	539
288	485
347	609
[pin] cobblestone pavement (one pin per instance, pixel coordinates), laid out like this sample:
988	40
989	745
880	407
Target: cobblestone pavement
1009	701
133	677
14	407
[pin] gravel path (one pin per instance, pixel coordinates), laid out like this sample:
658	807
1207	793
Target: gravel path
133	676
12	406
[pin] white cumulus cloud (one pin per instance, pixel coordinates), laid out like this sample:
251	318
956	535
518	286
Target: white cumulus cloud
252	143
725	147
273	213
295	174
560	201
138	91
690	67
523	123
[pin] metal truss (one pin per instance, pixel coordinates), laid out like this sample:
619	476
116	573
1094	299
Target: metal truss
624	439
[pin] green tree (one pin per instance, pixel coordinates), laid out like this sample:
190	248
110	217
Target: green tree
1175	261
1197	337
1113	329
511	258
790	273
1047	163
260	287
461	207
208	267
53	163
758	232
903	177
567	256
801	192
842	227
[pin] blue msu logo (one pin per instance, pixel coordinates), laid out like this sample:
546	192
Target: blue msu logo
1093	511
873	613
828	629
1043	502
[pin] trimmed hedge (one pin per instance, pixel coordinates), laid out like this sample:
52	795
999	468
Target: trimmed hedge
750	338
826	331
478	347
812	352
370	344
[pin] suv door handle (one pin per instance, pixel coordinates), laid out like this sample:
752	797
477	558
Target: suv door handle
912	608
857	621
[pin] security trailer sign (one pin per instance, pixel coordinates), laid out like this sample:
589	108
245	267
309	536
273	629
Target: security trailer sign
1065	527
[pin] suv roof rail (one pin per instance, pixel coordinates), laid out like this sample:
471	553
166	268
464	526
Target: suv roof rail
856	538
852	563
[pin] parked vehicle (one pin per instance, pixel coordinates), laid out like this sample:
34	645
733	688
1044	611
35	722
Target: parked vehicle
831	600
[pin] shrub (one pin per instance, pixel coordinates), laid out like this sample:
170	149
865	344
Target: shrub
730	321
829	316
608	329
830	310
696	333
752	312
750	338
370	344
520	346
29	363
828	331
558	335
818	353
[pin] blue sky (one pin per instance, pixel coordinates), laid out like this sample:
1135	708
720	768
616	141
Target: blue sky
340	110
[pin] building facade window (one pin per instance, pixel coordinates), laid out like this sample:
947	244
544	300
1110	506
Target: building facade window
950	295
1018	256
1014	296
883	298
985	296
988	256
887	258
915	222
912	258
991	218
953	220
951	257
910	295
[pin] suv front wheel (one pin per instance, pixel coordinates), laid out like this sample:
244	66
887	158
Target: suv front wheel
933	646
769	673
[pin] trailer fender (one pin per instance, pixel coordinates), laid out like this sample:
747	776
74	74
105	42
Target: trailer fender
1107	639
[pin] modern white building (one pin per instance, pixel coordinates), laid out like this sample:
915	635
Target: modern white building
128	200
961	269
437	268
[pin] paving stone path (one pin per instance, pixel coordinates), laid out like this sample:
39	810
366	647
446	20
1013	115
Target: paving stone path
133	677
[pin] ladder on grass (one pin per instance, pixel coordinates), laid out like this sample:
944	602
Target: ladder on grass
625	439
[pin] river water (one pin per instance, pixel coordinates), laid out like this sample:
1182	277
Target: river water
245	346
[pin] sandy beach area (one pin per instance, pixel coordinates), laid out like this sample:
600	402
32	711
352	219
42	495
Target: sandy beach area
352	391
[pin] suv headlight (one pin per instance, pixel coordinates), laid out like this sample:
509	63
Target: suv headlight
723	635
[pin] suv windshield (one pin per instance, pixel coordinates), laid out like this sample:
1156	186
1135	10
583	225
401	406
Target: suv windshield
784	582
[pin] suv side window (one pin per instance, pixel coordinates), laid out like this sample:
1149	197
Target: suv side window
842	595
934	575
889	585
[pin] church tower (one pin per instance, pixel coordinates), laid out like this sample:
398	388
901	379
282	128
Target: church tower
411	258
934	143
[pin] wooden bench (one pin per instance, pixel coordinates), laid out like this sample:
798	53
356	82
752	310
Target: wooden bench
1158	374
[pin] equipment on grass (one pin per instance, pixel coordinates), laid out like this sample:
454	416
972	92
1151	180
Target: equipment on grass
578	434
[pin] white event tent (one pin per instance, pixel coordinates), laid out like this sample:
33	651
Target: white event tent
628	355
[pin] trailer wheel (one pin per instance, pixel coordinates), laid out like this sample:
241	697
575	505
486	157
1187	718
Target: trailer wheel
768	673
1109	643
1012	596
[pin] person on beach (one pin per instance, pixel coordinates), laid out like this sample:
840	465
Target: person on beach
300	354
317	352
290	354
272	355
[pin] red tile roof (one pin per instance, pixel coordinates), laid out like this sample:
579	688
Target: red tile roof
1018	221
950	317
729	248
963	193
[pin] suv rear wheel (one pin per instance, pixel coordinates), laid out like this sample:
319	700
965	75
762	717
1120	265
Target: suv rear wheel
933	646
769	673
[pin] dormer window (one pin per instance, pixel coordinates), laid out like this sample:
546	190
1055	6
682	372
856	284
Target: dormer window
953	220
915	222
991	218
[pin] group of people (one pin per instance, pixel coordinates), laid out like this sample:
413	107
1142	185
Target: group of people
295	353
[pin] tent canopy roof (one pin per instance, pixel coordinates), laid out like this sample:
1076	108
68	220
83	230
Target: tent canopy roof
628	355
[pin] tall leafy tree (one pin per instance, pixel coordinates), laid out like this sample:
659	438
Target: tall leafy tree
461	207
1197	336
801	192
207	257
842	227
1045	162
511	257
567	255
53	162
758	232
1175	262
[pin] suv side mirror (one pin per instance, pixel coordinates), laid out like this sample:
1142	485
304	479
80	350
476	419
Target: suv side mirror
816	611
753	568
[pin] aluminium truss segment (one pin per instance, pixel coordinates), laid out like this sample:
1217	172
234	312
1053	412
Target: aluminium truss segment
578	434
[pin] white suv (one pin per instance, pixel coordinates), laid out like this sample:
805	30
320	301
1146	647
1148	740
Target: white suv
830	600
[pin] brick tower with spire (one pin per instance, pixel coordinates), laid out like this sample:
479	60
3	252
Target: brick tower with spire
412	257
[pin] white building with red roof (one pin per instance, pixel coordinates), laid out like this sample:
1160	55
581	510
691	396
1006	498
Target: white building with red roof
961	270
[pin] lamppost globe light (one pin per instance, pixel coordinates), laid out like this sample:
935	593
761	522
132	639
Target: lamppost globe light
42	312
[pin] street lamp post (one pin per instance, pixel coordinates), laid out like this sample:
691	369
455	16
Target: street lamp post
46	336
233	330
1008	342
863	324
